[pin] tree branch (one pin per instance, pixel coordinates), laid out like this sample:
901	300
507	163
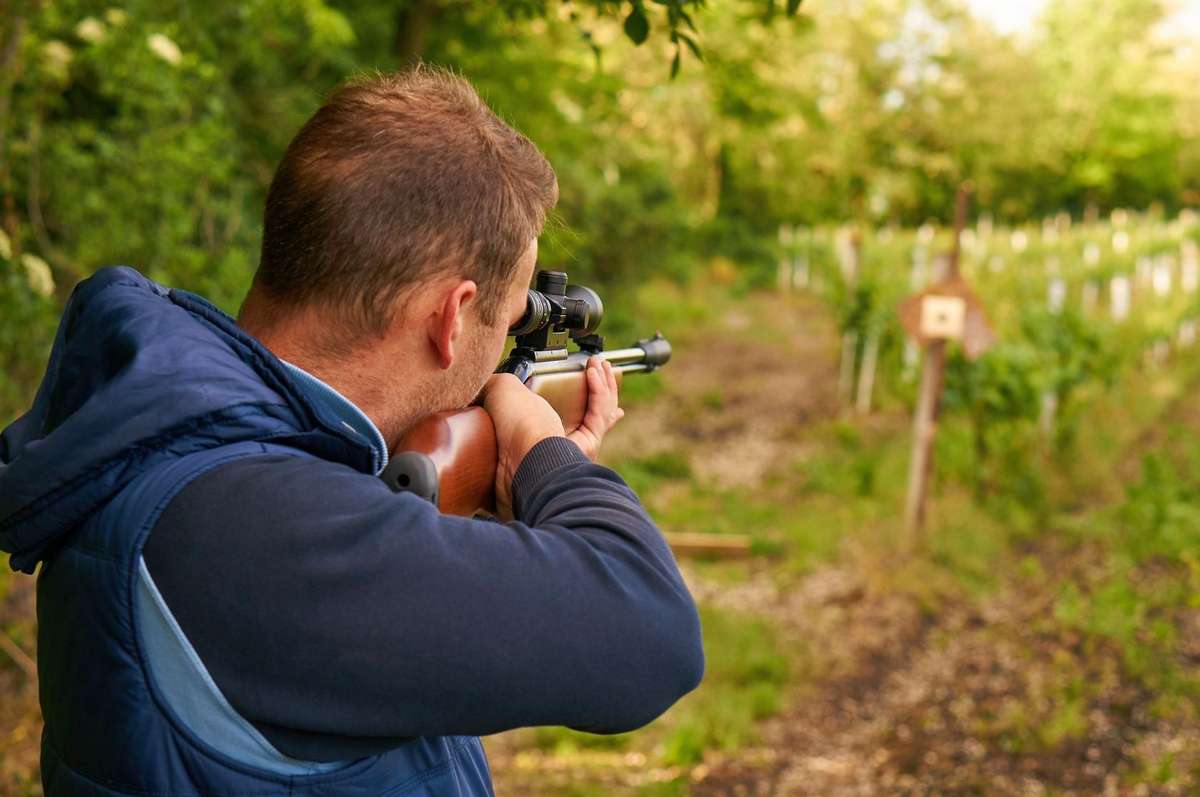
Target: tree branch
19	656
9	71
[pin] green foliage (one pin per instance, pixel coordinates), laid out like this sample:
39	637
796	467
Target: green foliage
1160	516
29	312
1071	354
1003	394
146	134
1152	574
636	26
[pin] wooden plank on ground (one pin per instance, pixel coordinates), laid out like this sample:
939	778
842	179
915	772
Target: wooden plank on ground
725	546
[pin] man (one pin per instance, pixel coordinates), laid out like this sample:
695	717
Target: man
230	601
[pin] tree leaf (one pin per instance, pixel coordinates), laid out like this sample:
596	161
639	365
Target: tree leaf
675	64
637	28
691	43
793	6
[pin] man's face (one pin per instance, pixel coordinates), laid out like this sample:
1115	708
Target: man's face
483	344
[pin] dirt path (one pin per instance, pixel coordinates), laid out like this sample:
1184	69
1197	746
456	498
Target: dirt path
737	402
967	704
983	699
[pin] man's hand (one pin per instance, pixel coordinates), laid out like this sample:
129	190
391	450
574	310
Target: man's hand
522	419
602	410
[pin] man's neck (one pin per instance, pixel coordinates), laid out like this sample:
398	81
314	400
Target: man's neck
348	376
369	376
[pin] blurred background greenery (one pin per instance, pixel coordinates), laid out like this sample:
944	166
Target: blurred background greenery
147	133
763	181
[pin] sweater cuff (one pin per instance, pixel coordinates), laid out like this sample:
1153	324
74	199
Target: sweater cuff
547	456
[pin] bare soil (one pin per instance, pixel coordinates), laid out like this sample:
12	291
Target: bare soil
962	704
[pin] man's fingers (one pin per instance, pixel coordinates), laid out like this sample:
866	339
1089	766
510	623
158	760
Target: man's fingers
611	377
602	410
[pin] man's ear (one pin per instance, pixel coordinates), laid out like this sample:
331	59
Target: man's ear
445	323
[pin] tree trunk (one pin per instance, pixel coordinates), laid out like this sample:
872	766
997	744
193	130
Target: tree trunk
412	30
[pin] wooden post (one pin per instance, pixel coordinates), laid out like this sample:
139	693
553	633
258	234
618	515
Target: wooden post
851	262
1048	416
918	275
866	374
929	399
920	464
846	370
786	259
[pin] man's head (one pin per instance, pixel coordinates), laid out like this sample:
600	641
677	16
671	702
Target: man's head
402	220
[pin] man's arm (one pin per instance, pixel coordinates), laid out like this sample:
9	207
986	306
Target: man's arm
323	603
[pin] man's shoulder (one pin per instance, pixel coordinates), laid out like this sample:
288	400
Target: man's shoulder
257	497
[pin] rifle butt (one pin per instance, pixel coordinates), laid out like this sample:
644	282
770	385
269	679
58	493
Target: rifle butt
462	445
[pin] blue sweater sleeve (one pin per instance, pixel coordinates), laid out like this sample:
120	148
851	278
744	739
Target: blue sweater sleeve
330	610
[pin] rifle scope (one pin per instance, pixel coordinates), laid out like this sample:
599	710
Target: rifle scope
557	313
555	305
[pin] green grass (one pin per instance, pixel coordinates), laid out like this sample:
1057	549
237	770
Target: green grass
746	674
641	389
1150	544
644	474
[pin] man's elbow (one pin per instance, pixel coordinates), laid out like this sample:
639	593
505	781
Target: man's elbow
689	664
672	665
678	652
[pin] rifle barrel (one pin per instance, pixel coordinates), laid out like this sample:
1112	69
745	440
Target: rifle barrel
633	359
647	354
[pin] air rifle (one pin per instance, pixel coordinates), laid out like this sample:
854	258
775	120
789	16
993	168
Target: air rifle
449	458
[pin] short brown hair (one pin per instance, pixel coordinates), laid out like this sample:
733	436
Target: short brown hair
395	178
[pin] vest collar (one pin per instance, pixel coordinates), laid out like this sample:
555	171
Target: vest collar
344	411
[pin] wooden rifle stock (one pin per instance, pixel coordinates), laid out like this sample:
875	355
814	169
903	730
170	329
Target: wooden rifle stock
461	444
462	447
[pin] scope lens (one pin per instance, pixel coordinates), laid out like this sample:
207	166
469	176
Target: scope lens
536	316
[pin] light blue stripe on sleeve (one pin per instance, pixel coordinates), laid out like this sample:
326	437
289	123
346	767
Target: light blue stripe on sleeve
190	691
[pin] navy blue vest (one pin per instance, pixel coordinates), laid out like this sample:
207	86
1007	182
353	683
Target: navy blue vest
146	389
109	729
